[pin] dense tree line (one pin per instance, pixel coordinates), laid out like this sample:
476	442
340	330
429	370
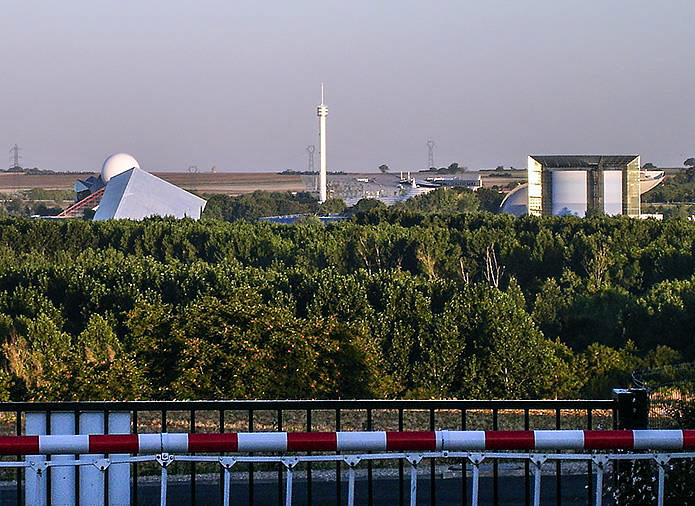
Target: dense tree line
678	188
392	303
254	205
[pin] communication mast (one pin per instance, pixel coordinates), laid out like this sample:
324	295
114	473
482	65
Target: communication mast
322	112
430	153
14	157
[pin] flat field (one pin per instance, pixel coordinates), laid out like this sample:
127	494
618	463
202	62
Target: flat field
231	183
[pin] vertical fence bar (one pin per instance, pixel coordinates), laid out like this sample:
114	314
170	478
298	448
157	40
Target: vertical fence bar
599	485
616	464
589	467
92	480
433	468
227	485
36	483
527	470
251	494
118	475
338	495
308	466
536	484
413	485
62	485
135	464
464	466
163	487
495	463
351	486
288	491
475	492
280	465
193	474
224	473
401	494
558	464
370	490
107	473
163	424
18	472
660	491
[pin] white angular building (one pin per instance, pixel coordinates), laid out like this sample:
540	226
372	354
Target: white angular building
124	191
136	194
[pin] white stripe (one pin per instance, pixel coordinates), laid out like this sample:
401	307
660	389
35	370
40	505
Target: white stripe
658	439
361	441
454	440
559	439
262	441
439	439
175	443
64	444
150	443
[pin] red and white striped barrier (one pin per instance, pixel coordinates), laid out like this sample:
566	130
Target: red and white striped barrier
351	441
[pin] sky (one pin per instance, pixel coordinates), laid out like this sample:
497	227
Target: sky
235	84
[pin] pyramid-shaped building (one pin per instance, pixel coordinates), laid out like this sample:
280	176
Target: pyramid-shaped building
135	194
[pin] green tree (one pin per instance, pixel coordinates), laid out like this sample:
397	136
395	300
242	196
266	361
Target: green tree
332	206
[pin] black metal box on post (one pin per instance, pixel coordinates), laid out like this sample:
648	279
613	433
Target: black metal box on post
633	408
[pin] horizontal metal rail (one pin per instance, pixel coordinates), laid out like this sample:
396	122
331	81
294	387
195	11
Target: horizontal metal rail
445	440
475	459
272	405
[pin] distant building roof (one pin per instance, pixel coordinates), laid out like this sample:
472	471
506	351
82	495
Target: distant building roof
583	161
136	194
289	219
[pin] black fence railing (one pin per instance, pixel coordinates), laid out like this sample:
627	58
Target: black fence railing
337	415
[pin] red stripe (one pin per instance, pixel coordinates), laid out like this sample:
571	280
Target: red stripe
226	442
509	440
399	441
688	439
608	440
19	445
312	441
113	443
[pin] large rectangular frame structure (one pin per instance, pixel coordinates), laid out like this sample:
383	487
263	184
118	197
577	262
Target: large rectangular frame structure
540	174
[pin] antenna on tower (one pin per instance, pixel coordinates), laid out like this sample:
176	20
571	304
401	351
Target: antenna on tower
430	153
15	157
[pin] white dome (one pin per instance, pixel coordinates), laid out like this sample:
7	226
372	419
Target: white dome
116	164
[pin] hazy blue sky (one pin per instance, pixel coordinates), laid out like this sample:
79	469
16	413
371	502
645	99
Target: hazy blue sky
235	83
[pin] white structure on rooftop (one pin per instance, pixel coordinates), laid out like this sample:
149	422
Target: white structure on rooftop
117	164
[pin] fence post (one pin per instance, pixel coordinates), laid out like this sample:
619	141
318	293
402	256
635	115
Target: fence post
633	408
632	413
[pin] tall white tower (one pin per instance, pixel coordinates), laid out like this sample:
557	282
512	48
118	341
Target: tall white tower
322	112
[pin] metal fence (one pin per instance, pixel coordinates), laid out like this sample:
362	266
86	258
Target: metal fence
396	415
600	462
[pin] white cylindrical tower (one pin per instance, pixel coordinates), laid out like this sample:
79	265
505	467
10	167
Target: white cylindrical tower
322	112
